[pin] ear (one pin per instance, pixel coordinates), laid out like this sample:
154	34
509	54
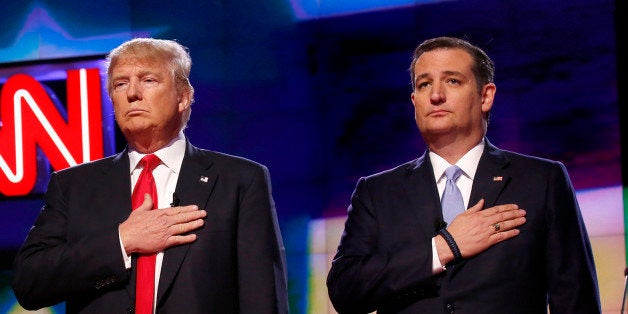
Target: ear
488	95
184	100
412	99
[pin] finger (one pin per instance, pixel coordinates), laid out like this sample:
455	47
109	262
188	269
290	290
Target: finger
497	227
504	235
506	208
185	227
512	224
477	207
503	226
147	204
173	211
180	239
508	215
499	210
189	216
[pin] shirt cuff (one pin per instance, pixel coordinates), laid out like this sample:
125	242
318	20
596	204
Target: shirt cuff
437	267
127	259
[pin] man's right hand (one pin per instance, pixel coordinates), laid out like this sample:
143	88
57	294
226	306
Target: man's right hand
150	230
475	230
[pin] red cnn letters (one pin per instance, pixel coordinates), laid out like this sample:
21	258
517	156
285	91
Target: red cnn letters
30	118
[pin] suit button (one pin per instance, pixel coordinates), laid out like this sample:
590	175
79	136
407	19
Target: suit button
450	308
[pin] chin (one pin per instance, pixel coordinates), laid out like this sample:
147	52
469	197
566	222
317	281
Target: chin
134	130
437	128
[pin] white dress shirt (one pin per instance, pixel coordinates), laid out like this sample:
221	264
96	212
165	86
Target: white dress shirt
166	175
469	164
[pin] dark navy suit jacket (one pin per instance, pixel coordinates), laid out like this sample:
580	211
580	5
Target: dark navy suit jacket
384	260
236	265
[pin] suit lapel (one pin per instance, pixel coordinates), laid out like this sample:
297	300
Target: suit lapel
423	194
489	182
491	176
118	195
194	186
115	187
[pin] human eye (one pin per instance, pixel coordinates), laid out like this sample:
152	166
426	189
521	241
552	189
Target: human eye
149	80
454	81
120	85
422	84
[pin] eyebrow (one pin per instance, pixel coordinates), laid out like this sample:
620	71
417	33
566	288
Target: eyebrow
141	73
447	73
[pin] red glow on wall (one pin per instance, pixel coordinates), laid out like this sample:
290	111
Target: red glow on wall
30	119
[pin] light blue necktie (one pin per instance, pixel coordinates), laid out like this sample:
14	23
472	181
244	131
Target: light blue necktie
452	203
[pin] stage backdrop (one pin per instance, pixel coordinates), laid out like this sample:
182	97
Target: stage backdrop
319	92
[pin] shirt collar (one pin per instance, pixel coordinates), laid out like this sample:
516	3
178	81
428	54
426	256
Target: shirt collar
468	163
171	155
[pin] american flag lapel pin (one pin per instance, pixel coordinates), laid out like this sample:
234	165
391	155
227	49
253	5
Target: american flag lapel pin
204	179
498	179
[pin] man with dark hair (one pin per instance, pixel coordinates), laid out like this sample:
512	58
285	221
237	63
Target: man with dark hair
467	227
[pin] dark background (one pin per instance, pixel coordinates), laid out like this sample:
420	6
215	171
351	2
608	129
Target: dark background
322	97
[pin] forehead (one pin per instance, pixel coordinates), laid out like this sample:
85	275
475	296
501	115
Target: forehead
444	59
127	65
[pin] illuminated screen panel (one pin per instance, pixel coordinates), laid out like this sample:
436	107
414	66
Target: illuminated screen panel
53	114
312	9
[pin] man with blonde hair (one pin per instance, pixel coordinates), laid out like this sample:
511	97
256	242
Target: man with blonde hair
163	226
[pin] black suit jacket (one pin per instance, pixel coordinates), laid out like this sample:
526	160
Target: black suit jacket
384	260
236	265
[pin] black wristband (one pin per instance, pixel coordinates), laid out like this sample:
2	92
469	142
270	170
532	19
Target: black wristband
452	244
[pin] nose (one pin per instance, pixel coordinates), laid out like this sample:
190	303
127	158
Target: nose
133	92
437	94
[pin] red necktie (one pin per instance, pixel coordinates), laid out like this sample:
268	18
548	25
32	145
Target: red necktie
145	283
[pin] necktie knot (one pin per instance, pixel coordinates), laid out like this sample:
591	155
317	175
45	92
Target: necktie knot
453	172
150	162
452	203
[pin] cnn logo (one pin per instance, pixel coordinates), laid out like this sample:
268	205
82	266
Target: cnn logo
34	122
